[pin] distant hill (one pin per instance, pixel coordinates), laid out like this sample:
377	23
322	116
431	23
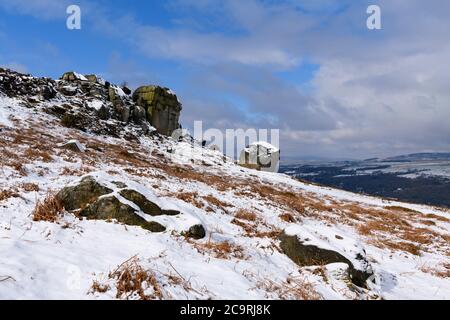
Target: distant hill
420	157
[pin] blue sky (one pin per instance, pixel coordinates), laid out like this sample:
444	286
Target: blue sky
310	68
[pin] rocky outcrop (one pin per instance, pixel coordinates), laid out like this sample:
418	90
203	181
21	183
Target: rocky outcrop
146	205
90	104
162	107
93	200
83	194
110	207
18	85
73	76
305	254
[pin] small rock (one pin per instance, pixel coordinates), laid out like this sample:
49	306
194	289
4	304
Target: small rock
126	90
73	145
196	232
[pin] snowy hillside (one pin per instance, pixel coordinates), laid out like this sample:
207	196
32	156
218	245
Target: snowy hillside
221	231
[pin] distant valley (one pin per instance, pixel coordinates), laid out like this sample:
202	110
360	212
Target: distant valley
419	178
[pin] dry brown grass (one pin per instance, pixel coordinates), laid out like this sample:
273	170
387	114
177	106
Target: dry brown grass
381	242
287	217
245	215
220	250
8	193
132	281
293	288
211	200
253	230
99	287
19	168
29	187
398	208
189	197
36	154
441	271
436	217
49	210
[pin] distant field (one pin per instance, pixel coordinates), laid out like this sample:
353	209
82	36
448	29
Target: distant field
422	181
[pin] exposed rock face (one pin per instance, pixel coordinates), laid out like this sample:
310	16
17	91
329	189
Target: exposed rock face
162	107
146	205
83	194
93	200
92	78
111	208
310	255
72	76
14	84
90	104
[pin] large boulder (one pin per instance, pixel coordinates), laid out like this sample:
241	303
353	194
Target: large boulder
110	207
73	76
305	254
83	194
146	205
162	107
93	200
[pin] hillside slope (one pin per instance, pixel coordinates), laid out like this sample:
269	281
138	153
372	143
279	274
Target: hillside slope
267	236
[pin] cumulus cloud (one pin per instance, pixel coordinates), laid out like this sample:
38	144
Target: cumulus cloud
375	92
43	9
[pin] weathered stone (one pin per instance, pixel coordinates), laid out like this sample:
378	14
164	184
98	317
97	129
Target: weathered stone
72	76
91	78
126	90
138	114
144	204
310	255
119	184
103	113
74	120
79	196
68	91
162	107
73	145
196	232
48	93
110	207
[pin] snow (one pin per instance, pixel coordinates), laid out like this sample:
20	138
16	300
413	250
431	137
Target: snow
266	145
95	104
61	261
76	142
80	76
7	106
329	238
70	88
119	91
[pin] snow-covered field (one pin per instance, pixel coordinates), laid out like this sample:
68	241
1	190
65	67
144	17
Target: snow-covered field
240	258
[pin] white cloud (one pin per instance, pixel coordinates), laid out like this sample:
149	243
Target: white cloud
16	66
43	9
